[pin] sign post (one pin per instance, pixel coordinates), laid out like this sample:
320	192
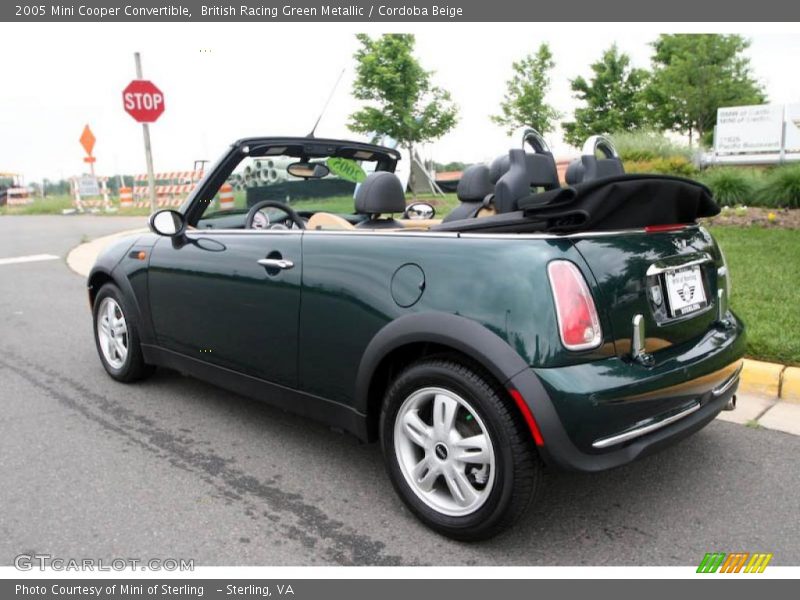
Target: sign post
145	103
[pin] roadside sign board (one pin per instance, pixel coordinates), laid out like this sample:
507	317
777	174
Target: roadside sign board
87	140
749	129
143	101
88	186
792	128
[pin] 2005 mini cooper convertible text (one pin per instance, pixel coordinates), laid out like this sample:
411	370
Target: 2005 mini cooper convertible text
577	326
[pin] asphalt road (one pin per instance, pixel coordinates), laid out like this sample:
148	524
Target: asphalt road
172	467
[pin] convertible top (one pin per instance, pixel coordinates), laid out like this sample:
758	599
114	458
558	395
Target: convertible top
621	202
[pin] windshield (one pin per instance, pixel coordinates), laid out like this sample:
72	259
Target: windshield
256	179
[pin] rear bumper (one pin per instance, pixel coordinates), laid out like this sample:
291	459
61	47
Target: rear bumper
605	414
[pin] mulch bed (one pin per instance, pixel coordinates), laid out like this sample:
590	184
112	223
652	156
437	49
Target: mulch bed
777	218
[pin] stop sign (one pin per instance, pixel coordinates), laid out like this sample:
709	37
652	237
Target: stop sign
143	100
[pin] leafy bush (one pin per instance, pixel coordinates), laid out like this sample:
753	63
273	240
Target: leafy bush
732	185
648	146
782	187
672	165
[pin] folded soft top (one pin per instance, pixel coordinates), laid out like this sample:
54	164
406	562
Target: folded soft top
622	202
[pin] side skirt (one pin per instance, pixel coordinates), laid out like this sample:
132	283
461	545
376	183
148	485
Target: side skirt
295	401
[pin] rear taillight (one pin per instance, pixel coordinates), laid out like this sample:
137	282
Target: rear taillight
578	323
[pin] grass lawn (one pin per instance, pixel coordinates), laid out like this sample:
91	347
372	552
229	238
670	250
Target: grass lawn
765	277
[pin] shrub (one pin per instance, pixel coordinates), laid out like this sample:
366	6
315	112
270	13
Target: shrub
673	165
648	146
732	185
782	187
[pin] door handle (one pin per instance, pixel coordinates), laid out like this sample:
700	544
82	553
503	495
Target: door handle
275	263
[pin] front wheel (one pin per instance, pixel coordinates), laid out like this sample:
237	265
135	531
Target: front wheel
455	451
117	337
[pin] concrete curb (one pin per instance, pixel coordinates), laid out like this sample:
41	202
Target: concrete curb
765	379
771	379
81	258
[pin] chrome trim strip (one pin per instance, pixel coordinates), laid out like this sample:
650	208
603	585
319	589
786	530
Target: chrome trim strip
663	266
645	429
727	384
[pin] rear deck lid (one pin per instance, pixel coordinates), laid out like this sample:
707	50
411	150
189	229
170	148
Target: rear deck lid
666	274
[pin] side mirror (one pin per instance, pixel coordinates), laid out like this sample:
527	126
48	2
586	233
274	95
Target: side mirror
167	222
419	211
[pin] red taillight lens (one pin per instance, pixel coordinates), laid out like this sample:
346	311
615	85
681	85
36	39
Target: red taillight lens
578	322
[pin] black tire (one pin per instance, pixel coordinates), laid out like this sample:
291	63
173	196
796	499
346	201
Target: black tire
133	368
517	469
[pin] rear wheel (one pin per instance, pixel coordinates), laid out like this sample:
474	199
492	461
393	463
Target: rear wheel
455	452
117	337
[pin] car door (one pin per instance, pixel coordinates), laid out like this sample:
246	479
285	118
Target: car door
231	298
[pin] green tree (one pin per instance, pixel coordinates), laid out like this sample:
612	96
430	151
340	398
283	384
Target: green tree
525	100
405	104
613	98
694	75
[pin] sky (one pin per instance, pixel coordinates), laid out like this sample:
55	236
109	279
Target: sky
224	81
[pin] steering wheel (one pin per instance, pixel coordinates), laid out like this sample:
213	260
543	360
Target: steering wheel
249	222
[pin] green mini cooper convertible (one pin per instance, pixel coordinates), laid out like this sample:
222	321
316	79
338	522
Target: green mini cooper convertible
540	324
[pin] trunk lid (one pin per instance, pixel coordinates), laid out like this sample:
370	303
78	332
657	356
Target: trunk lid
669	277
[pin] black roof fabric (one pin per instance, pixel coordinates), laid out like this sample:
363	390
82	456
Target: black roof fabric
624	202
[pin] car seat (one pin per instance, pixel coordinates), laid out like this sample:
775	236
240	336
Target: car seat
474	192
589	167
379	194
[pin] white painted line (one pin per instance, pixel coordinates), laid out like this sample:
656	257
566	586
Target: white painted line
26	259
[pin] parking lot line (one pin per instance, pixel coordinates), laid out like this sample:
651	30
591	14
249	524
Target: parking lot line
13	260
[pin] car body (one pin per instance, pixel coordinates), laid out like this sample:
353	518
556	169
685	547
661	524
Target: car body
327	322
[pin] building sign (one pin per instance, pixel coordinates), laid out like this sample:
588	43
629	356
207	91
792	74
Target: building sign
793	128
749	129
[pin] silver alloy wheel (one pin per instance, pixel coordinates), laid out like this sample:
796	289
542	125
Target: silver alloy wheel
112	333
444	451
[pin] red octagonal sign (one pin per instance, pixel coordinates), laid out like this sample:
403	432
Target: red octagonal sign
143	100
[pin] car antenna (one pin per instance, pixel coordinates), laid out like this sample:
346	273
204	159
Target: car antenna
325	107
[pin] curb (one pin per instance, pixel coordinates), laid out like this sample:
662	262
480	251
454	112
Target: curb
758	377
770	379
81	258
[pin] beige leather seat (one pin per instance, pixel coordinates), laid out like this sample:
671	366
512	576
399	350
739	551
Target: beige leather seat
328	221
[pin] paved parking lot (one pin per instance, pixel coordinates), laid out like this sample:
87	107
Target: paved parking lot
172	467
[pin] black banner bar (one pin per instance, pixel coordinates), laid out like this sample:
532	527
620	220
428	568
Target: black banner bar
400	11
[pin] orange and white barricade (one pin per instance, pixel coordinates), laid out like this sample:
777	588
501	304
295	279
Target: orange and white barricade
17	196
226	198
94	203
125	197
172	188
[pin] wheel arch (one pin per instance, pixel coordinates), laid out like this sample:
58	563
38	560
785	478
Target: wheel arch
423	334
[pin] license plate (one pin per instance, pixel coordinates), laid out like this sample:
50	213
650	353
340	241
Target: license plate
685	291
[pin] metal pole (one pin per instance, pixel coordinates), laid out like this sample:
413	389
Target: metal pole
148	152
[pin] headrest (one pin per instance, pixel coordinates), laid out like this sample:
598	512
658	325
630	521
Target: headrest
498	168
542	171
380	192
475	184
590	168
514	184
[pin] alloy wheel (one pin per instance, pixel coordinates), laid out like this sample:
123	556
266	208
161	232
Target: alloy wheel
112	333
444	451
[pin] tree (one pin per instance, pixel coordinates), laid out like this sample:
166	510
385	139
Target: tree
614	99
405	104
525	100
694	75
